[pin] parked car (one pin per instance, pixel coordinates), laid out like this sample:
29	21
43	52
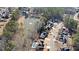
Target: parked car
42	42
5	15
51	19
49	22
3	20
63	38
65	49
40	47
43	35
24	13
65	33
34	44
49	26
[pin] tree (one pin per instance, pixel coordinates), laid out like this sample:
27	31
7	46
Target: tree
15	14
9	45
9	30
76	41
49	12
71	24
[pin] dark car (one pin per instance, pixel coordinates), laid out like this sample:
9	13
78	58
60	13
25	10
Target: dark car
24	13
43	35
40	47
63	38
64	41
65	33
42	42
65	49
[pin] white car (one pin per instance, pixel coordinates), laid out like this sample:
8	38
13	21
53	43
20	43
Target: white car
35	44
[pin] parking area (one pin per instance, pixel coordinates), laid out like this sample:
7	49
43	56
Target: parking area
57	38
52	37
48	37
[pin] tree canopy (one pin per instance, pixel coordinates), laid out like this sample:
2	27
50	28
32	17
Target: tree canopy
49	11
70	23
9	30
76	41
